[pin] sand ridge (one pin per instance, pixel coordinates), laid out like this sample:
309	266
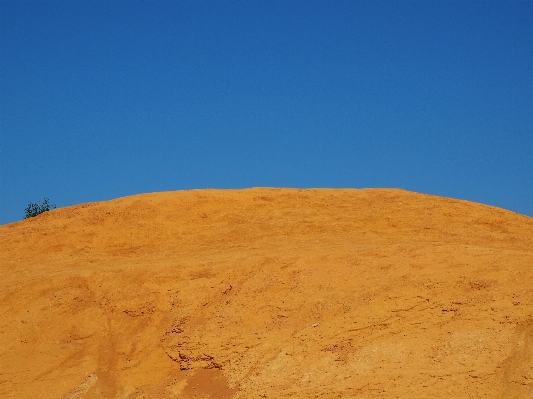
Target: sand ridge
258	293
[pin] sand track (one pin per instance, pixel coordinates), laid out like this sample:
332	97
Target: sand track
268	293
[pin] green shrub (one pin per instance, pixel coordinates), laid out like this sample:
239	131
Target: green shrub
33	210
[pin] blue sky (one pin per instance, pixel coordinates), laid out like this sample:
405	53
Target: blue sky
103	99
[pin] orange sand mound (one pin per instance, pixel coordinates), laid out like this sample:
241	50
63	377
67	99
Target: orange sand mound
268	293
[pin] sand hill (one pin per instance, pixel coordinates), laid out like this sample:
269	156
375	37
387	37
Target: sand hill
268	293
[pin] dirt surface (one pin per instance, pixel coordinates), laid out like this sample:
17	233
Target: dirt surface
268	293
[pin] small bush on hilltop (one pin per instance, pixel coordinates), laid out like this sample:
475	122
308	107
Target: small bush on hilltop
33	210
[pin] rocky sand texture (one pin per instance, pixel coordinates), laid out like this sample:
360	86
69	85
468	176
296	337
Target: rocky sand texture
268	293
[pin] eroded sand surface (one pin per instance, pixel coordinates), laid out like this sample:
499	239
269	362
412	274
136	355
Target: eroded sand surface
268	293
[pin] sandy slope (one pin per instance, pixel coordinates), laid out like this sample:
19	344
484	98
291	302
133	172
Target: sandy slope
268	293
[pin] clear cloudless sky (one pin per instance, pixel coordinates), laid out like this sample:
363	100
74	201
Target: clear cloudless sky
103	99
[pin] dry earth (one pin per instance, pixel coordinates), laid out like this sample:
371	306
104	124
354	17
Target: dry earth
268	293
